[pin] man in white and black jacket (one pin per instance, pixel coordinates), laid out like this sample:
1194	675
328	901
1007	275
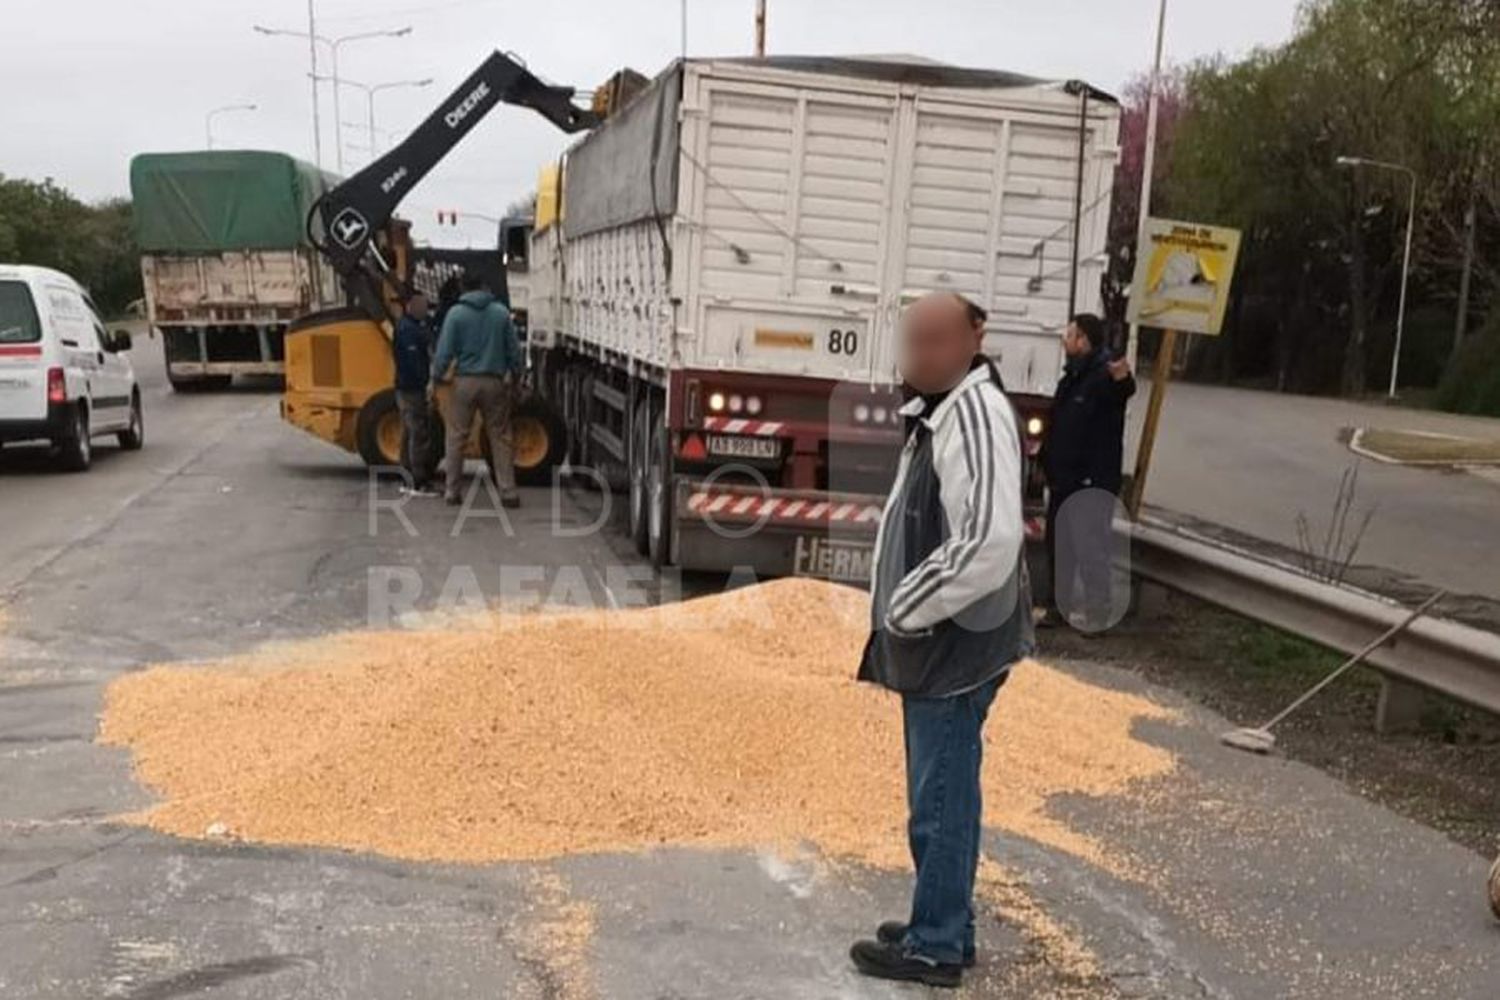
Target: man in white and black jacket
951	614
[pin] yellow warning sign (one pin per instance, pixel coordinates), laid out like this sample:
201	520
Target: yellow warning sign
1182	276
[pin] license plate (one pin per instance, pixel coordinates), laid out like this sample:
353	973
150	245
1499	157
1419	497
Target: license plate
845	562
744	447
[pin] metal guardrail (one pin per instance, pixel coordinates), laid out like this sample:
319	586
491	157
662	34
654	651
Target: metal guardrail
1452	659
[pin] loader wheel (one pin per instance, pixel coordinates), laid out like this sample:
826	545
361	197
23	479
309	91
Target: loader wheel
378	430
539	442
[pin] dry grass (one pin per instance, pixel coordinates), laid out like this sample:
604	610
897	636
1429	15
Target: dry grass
1415	448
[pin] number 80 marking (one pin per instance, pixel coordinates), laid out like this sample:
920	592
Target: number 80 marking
843	342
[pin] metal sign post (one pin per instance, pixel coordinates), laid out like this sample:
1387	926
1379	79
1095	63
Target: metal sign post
1183	273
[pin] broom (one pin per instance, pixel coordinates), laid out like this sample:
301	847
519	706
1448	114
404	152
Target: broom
1262	740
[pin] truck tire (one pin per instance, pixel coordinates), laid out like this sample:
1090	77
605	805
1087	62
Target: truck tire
199	383
539	441
75	450
640	462
377	432
133	438
659	506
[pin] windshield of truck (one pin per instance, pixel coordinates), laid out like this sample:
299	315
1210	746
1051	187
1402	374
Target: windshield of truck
18	320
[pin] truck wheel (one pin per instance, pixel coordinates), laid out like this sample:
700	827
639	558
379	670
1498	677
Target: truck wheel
378	429
75	450
134	436
539	442
659	499
640	461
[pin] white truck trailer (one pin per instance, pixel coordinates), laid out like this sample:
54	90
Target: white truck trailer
225	259
718	273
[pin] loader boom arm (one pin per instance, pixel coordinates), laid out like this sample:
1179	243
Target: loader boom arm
345	219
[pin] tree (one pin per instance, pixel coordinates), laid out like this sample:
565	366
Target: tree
1404	81
1125	212
42	224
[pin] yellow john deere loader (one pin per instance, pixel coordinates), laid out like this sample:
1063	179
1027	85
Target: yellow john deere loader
340	367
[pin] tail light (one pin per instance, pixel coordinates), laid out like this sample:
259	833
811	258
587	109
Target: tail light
57	386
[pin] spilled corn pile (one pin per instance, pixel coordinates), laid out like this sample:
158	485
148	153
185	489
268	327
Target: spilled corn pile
731	720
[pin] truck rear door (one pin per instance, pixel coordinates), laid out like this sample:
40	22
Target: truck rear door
990	206
791	189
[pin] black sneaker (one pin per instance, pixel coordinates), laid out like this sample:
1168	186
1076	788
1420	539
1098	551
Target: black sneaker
893	961
453	499
894	932
510	502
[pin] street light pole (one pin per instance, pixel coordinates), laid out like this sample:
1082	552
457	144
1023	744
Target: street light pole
312	58
371	90
1354	162
313	38
1148	164
208	119
333	45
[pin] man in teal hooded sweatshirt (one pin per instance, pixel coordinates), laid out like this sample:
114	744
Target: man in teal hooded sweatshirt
479	342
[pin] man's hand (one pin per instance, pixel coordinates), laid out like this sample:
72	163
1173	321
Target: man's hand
432	393
1119	369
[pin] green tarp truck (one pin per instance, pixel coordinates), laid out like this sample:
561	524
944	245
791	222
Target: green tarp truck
225	258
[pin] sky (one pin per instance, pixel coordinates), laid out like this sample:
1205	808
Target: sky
90	83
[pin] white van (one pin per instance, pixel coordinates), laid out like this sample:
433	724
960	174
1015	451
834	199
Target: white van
63	377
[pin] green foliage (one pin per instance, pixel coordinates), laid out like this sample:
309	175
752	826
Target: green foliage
42	224
1412	82
1472	384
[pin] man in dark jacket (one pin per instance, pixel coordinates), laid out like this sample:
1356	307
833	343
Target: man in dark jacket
1082	457
413	345
950	614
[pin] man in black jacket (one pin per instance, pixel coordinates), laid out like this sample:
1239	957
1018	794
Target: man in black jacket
950	615
413	347
1082	457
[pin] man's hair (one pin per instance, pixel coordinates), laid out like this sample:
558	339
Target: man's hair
1092	327
473	281
975	313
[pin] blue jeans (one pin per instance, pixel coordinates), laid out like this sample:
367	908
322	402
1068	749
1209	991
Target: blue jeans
944	744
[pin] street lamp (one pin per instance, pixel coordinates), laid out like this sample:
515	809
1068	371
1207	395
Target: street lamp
333	48
208	119
371	90
1355	162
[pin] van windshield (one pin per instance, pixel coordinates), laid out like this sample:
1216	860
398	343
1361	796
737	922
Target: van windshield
18	322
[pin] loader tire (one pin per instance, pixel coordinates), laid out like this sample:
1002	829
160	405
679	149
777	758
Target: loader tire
377	432
539	441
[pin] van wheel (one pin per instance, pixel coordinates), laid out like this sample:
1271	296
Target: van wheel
659	500
134	436
377	431
75	450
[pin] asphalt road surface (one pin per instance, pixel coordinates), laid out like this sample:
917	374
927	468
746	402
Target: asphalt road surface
1252	461
1268	879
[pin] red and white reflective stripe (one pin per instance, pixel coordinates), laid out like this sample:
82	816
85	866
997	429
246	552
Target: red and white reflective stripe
771	509
26	351
736	425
